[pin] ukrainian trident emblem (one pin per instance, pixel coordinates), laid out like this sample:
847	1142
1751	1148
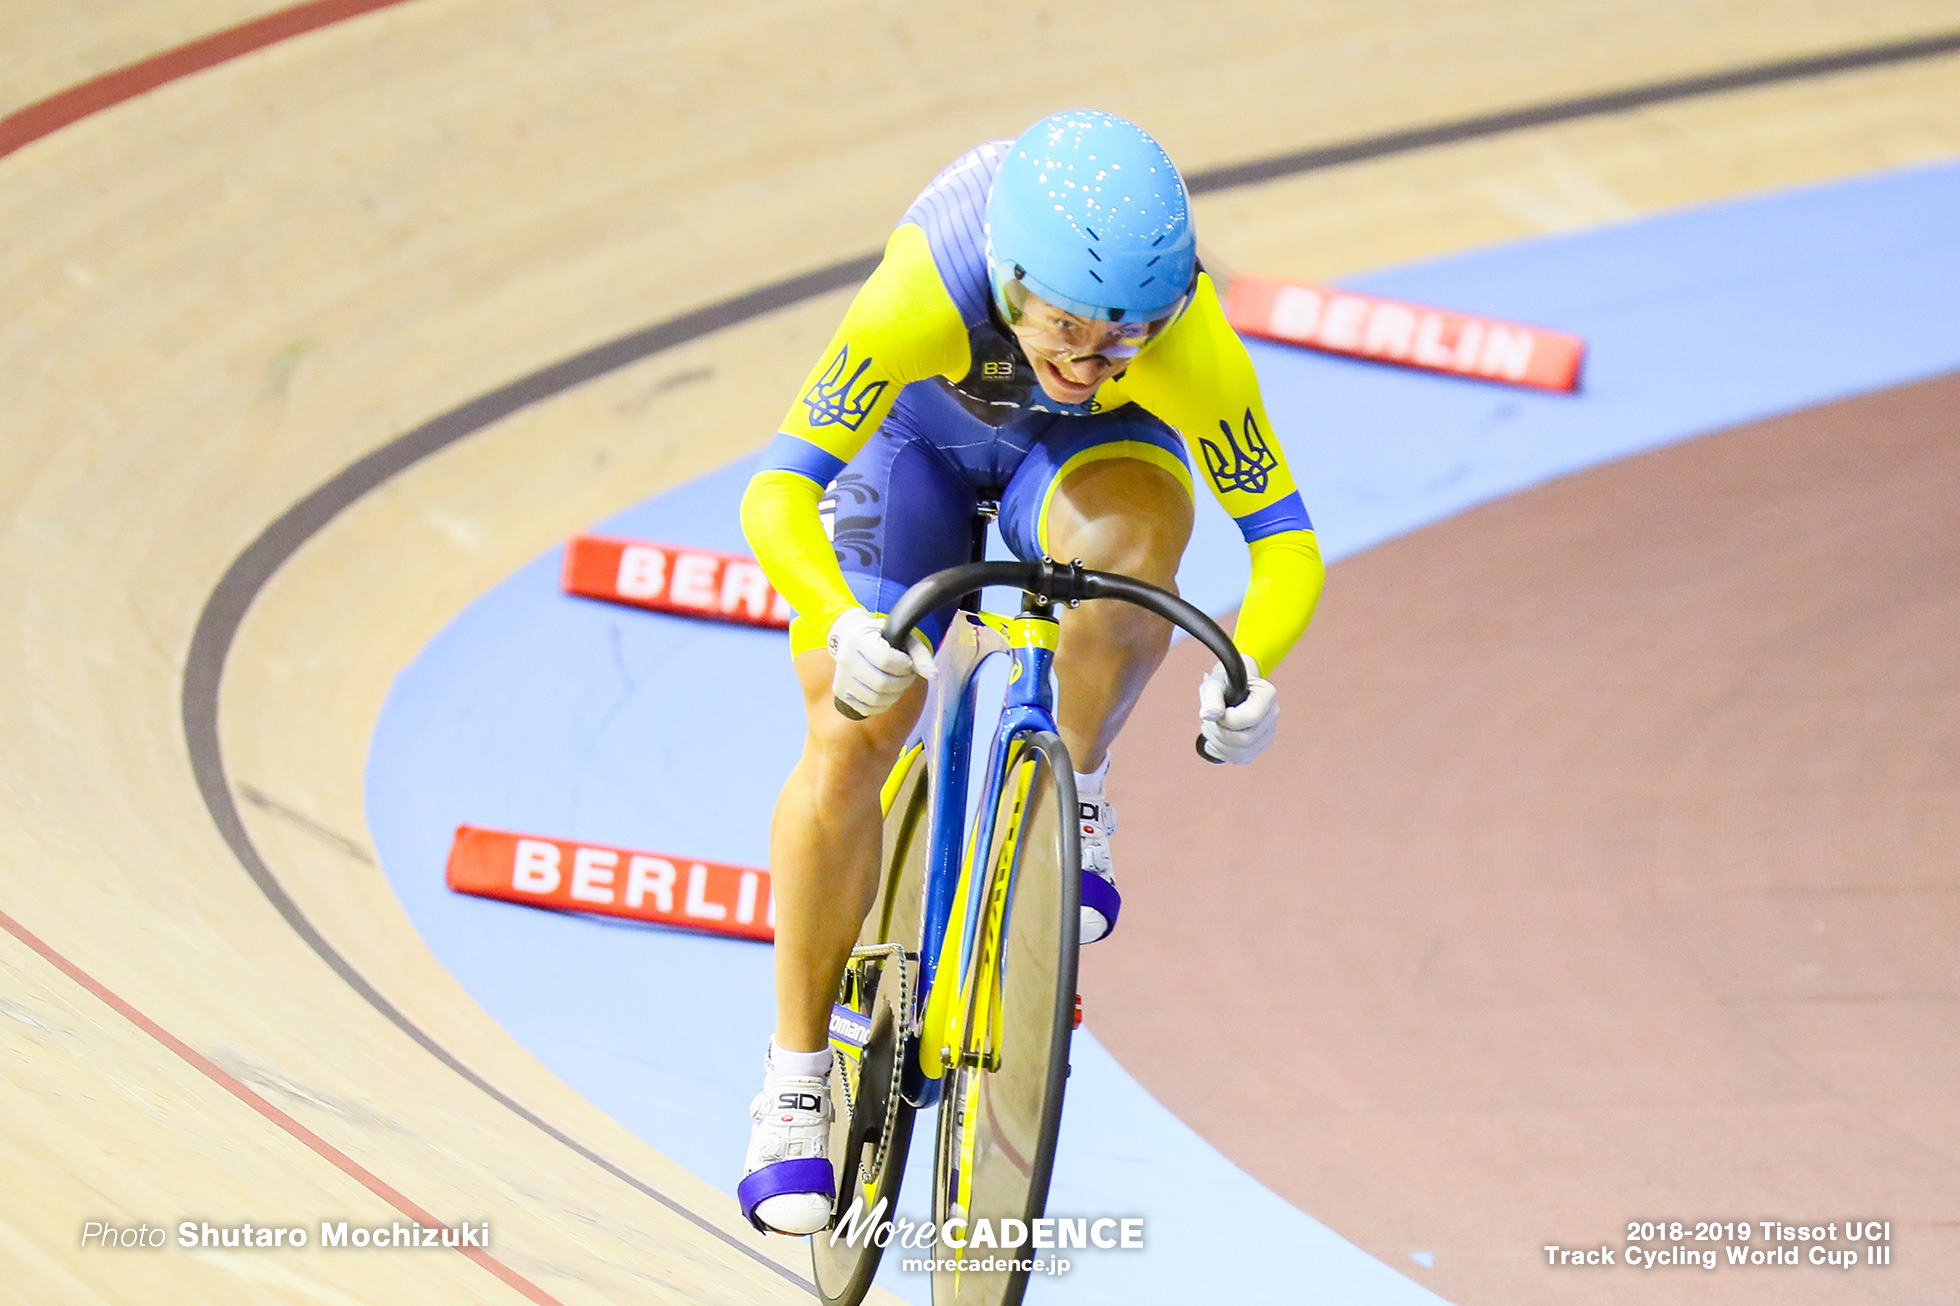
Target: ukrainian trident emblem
835	400
1246	467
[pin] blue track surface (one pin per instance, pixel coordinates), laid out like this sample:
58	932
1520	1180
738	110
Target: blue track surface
537	712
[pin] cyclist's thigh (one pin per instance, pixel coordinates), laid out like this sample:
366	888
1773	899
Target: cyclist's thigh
1072	443
898	512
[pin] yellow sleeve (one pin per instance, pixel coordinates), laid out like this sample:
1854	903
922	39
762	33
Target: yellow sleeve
1287	575
1200	379
901	327
779	517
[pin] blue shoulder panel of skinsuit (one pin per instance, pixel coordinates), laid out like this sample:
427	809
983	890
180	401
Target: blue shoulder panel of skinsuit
952	211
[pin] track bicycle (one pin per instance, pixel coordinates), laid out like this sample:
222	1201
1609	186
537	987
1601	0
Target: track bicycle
962	989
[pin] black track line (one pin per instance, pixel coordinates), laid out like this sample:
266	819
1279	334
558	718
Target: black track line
1585	106
224	610
218	625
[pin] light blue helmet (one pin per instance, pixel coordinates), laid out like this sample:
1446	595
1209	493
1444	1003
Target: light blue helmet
1089	213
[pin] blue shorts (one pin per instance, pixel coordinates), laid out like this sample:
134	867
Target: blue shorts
903	508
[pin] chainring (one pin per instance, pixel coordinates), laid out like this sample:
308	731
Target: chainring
869	1080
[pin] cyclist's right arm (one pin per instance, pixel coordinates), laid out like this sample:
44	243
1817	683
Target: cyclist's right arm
901	327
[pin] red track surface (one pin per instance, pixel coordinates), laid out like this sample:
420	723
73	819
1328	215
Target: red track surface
1607	868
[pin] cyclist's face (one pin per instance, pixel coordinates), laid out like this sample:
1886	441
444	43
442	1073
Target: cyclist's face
1073	355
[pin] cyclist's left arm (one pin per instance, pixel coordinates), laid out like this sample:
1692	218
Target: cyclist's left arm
1199	378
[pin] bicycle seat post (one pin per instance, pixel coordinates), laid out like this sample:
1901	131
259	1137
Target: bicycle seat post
984	512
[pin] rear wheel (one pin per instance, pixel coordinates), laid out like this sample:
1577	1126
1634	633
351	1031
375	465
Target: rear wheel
1002	1106
871	1128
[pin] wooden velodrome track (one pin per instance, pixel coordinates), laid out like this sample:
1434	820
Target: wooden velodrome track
225	292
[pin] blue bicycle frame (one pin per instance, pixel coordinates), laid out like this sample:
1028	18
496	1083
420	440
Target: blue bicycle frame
938	1017
949	719
954	852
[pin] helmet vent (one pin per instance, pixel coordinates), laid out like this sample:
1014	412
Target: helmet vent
1089	181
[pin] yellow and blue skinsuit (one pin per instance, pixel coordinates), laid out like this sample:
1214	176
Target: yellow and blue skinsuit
923	403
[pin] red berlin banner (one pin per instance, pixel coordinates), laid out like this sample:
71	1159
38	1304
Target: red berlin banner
1392	331
568	876
667	578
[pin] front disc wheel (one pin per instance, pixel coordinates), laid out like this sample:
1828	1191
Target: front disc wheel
1001	1111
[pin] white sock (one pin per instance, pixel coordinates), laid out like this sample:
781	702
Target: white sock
1093	783
802	1065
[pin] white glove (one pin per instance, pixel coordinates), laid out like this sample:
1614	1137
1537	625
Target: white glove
1237	734
871	674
